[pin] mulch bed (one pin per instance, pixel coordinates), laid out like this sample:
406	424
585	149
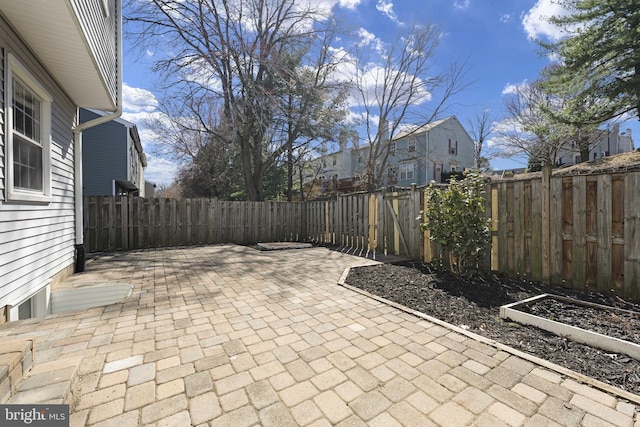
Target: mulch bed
474	303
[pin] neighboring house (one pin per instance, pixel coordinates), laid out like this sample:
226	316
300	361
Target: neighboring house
149	189
112	157
55	56
418	155
605	142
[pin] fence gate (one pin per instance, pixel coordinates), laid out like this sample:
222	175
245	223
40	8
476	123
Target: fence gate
400	223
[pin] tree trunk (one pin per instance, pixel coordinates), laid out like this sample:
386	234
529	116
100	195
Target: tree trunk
290	171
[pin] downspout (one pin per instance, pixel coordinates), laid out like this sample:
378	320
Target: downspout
77	145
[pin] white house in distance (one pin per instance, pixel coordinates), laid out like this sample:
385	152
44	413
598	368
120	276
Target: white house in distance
55	56
606	142
418	155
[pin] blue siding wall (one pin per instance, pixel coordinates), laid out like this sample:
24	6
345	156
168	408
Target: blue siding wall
104	155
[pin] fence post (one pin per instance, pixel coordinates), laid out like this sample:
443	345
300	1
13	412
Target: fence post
631	236
546	224
414	233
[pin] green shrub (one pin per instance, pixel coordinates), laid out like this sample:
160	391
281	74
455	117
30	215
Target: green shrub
456	220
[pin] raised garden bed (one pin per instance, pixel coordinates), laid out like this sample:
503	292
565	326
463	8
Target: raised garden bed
609	328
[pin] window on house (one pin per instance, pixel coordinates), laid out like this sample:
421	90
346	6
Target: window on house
453	147
29	175
334	161
392	148
392	175
411	145
24	310
406	171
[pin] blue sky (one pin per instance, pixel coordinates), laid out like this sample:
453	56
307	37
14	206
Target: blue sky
495	37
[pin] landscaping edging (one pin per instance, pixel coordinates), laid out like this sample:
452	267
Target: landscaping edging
574	333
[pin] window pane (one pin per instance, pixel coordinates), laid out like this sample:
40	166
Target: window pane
27	164
24	310
27	151
26	112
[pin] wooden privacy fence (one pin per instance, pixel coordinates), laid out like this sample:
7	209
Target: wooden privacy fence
123	223
374	223
369	223
579	231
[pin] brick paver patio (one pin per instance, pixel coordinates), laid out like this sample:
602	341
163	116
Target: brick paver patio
226	335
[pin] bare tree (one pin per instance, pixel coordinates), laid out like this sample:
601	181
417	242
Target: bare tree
236	59
529	130
401	86
533	126
480	128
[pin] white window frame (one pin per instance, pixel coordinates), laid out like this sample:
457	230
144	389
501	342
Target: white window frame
453	147
15	70
392	148
38	300
412	144
403	170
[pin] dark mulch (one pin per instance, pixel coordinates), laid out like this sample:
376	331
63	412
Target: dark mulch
474	303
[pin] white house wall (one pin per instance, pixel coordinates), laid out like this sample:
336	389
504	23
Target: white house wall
37	239
100	34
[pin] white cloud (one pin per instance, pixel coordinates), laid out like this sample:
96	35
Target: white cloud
506	17
536	21
140	107
367	38
137	100
372	82
349	4
461	4
160	171
386	8
514	88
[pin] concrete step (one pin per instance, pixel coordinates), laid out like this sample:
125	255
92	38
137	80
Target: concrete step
16	360
54	382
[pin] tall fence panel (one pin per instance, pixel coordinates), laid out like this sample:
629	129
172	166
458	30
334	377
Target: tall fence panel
368	223
122	223
589	235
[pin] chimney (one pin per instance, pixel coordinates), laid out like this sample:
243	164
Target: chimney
383	131
343	139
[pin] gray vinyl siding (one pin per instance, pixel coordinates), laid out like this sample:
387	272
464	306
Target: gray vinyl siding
37	239
105	156
101	35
